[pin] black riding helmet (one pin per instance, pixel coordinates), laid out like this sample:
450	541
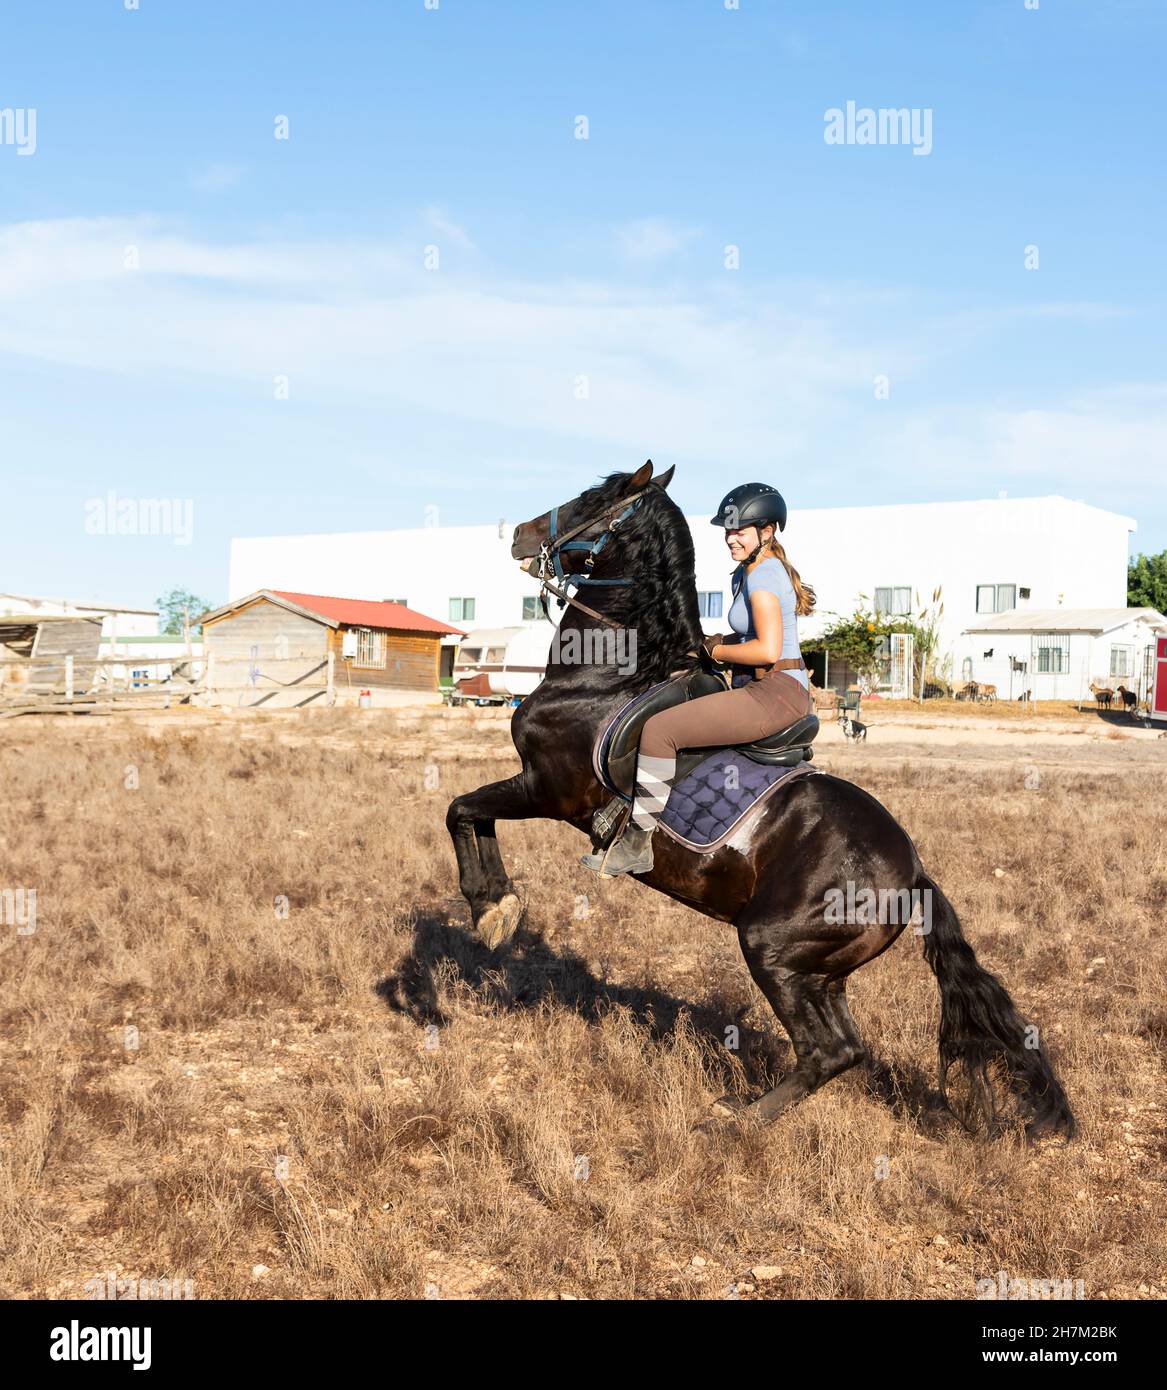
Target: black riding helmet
751	504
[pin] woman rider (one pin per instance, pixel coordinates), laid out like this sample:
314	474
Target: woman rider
770	688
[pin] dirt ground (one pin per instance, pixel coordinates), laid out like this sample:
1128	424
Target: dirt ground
251	1042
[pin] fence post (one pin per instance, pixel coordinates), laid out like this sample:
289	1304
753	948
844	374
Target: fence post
69	679
331	696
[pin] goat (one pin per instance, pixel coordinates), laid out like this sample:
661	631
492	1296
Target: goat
1102	694
1130	701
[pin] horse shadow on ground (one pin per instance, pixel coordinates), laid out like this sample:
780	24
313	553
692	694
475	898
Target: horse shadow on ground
527	973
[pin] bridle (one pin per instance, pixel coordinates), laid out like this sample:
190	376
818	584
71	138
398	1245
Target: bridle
551	549
549	552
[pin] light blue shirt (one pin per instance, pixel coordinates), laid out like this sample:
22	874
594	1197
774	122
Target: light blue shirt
769	575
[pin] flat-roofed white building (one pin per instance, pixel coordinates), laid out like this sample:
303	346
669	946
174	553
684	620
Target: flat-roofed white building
1060	653
1004	555
117	621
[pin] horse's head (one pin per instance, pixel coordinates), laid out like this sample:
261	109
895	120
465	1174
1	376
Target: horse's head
629	550
574	532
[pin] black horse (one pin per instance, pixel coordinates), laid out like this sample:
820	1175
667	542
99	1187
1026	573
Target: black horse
816	839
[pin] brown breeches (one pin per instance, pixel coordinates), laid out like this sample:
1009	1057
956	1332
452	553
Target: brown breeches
728	717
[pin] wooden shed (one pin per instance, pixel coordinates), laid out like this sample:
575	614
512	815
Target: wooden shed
285	650
46	659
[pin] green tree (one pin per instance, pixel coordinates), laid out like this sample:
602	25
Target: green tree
860	640
178	607
1146	582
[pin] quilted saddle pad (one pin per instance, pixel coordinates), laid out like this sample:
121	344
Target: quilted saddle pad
708	804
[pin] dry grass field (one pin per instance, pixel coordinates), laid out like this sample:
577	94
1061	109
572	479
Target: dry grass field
251	1043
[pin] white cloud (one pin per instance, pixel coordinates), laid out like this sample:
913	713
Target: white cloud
1116	437
752	374
652	238
217	178
450	230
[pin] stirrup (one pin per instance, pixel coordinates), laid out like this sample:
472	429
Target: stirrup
620	857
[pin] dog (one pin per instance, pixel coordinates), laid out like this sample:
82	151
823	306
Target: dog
854	730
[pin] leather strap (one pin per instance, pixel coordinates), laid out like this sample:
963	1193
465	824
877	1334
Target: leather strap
785	663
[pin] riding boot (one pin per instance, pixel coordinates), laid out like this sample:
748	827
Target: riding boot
631	853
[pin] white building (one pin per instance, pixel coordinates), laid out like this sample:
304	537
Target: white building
1007	555
1059	653
117	621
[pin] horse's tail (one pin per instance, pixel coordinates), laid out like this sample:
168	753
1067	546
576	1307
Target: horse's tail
979	1025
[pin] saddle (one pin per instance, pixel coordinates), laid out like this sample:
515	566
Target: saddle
616	748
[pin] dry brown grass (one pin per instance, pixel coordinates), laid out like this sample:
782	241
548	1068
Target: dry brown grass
542	1143
1085	714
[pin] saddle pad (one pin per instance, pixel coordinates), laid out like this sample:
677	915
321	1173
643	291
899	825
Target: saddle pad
702	812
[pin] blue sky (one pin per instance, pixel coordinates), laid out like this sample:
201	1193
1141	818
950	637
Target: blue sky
563	260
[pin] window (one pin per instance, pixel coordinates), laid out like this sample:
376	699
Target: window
495	656
461	610
371	650
966	669
893	602
531	607
1052	653
996	598
709	603
470	655
1122	661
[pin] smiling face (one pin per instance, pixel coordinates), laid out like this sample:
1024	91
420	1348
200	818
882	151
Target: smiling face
743	540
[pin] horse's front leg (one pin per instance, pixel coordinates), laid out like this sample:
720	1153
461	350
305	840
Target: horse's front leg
482	877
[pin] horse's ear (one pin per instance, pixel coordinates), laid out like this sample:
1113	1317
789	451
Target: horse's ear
662	480
640	478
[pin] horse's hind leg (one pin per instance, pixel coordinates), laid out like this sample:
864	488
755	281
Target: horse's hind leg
813	1010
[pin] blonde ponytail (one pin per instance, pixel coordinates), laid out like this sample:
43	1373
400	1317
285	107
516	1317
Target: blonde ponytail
804	595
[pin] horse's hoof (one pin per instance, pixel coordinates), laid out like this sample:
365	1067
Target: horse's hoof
729	1107
500	921
511	908
720	1112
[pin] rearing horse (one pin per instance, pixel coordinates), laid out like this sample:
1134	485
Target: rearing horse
817	839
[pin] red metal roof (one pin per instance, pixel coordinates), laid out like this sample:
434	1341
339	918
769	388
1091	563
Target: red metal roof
360	612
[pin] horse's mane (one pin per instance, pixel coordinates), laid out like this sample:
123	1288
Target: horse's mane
654	549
